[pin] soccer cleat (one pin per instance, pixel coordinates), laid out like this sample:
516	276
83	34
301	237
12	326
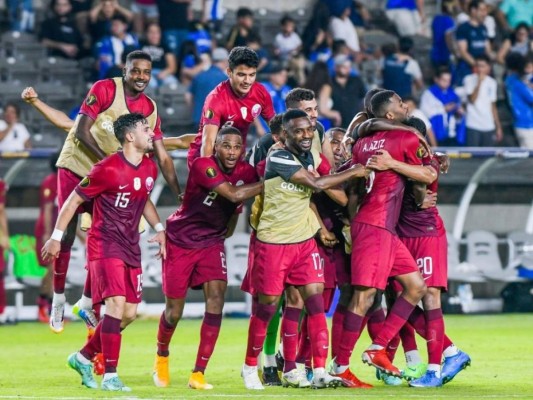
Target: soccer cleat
309	373
86	315
295	378
379	359
114	385
349	380
428	380
280	361
98	364
197	381
160	374
453	365
271	377
321	380
416	372
389	380
85	371
251	378
56	317
42	314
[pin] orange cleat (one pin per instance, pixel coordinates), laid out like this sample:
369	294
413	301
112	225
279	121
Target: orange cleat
160	374
349	380
43	315
380	360
197	381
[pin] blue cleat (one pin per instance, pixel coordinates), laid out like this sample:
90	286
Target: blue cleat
389	380
85	371
453	365
429	380
86	315
114	385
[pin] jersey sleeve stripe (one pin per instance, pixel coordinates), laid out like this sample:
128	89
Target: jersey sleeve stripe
283	161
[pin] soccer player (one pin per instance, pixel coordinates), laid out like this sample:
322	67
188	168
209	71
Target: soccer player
43	229
236	102
195	247
120	186
91	139
377	251
286	252
4	245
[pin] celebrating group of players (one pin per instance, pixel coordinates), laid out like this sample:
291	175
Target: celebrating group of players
363	219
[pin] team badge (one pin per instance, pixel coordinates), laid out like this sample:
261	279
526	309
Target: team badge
85	182
256	110
90	100
149	183
137	183
244	112
420	152
211	172
209	113
239	183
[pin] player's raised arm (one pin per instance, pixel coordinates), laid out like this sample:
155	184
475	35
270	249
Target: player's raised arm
166	165
208	140
54	116
180	142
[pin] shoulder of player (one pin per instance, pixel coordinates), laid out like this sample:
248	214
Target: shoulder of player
203	163
243	168
282	156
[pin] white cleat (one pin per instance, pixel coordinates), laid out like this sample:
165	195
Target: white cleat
295	378
56	317
322	380
251	378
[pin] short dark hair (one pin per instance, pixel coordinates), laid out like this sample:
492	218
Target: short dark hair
331	131
418	124
379	102
126	123
15	106
244	12
287	18
474	4
482	57
441	71
242	55
405	44
516	62
227	130
138	55
275	124
368	97
292	114
296	95
119	17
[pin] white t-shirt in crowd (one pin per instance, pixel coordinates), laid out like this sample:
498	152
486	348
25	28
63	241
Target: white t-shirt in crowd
479	114
287	44
345	30
15	138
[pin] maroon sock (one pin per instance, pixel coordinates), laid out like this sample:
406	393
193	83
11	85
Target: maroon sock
208	338
435	335
318	330
392	347
60	271
304	345
350	333
111	338
87	286
289	334
327	295
396	318
94	344
257	331
446	342
3	295
407	334
418	321
336	329
164	335
375	322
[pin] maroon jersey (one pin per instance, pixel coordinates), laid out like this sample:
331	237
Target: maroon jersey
47	194
202	220
419	223
102	94
382	203
223	107
120	191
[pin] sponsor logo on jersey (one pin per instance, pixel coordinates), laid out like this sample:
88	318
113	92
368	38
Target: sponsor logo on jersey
136	183
209	113
149	183
256	110
293	187
107	124
85	182
90	100
211	172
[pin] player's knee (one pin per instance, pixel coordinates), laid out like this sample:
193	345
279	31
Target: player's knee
418	289
127	319
173	314
215	303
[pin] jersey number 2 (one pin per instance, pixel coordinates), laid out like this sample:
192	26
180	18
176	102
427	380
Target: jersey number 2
210	198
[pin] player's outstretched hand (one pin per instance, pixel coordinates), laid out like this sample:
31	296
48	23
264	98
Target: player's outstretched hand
29	95
362	171
381	161
160	238
50	249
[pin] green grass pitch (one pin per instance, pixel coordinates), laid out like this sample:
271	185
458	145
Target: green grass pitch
33	363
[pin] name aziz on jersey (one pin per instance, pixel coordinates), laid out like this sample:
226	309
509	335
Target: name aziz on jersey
374	145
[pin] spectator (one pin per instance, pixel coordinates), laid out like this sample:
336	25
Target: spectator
359	16
401	72
203	83
60	34
414	111
406	15
240	31
174	17
320	82
442	106
472	40
164	64
190	62
513	12
489	22
315	38
520	95
278	89
200	36
347	91
145	12
108	51
13	135
253	41
288	47
518	41
483	126
101	15
212	15
341	27
21	15
442	28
